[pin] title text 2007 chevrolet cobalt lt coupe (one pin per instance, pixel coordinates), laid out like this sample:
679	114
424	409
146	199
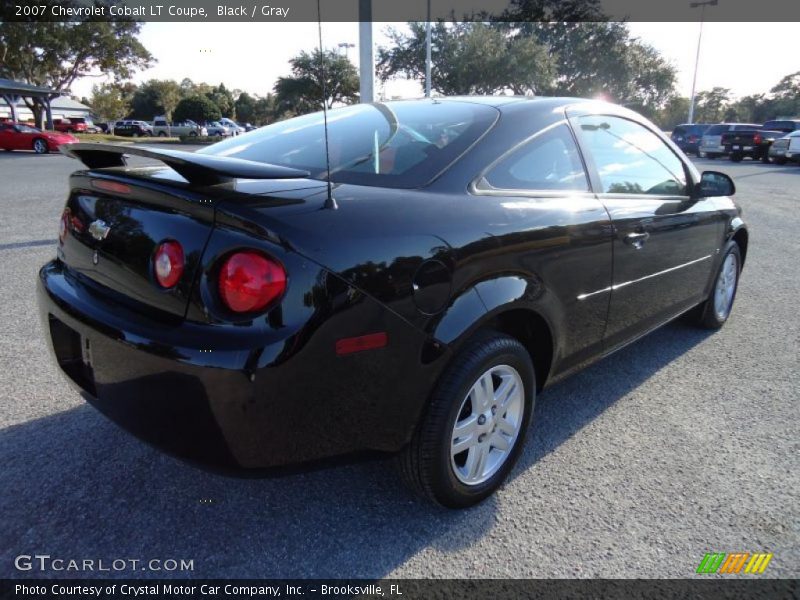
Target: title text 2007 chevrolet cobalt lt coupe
228	306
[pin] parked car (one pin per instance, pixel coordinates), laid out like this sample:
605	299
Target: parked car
18	136
471	253
215	128
711	142
234	127
249	127
75	125
133	129
755	143
163	128
786	149
687	136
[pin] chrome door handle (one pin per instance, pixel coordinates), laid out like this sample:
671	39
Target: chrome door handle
636	240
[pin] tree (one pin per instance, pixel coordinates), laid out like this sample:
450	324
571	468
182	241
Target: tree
223	98
601	59
674	112
552	58
197	108
111	101
267	111
302	92
154	98
468	58
711	106
54	54
245	108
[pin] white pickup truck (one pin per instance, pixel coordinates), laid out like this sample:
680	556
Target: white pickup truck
164	128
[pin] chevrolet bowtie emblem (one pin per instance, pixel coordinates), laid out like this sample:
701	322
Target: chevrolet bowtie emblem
99	230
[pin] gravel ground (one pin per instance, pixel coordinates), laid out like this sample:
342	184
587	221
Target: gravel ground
685	442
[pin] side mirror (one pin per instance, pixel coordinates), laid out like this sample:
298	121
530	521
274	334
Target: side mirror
714	183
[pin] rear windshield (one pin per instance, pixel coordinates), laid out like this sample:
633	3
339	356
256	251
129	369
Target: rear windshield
394	144
717	129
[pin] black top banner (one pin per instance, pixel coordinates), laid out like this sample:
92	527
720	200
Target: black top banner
405	10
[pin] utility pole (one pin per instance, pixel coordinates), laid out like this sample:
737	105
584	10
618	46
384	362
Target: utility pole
702	6
366	54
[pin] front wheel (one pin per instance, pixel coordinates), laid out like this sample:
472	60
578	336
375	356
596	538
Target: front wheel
162	134
779	160
475	425
40	146
714	312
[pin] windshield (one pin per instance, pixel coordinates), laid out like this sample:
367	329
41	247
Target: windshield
27	129
395	144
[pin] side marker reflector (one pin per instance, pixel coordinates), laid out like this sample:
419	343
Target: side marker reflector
361	343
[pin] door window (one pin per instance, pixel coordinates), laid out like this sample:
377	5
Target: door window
630	159
550	161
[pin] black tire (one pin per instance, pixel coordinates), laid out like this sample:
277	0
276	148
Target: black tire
779	160
706	315
425	464
162	134
40	146
192	134
736	157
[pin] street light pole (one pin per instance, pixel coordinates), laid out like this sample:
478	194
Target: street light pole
702	6
428	53
366	56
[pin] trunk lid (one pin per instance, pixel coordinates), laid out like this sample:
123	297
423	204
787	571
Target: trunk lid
115	227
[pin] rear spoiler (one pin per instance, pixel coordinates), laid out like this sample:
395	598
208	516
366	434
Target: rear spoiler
199	169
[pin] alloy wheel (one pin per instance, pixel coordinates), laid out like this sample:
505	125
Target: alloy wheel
488	424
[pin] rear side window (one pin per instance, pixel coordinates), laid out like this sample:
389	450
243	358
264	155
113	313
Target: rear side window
782	125
393	144
630	159
550	161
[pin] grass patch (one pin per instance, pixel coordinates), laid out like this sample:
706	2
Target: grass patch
105	137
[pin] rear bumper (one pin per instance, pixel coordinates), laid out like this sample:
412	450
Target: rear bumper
197	392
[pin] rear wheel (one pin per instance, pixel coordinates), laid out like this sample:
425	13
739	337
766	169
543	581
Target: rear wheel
714	312
40	146
162	134
736	157
474	429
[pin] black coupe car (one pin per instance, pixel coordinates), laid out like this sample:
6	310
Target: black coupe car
231	307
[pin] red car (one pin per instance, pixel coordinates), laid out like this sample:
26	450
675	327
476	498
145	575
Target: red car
76	125
16	136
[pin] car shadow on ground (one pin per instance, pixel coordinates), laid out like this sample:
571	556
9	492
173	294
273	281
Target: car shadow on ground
75	486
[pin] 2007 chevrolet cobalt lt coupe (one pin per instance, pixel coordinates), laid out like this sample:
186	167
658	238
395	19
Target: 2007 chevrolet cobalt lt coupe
231	307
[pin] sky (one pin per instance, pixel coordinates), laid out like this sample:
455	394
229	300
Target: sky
251	56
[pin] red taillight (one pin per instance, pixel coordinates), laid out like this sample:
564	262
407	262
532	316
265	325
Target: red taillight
168	263
63	226
757	138
249	281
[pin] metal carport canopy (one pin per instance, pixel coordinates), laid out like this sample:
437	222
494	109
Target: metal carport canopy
12	91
